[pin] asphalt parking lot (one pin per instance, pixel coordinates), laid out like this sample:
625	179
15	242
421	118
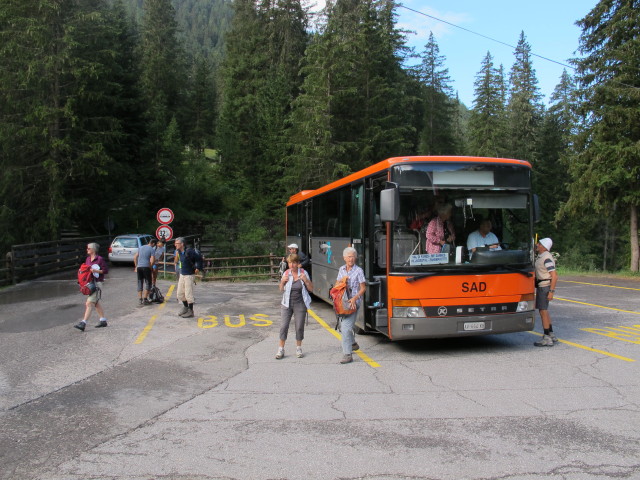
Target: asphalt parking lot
157	396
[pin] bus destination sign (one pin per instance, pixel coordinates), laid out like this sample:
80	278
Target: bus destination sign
429	259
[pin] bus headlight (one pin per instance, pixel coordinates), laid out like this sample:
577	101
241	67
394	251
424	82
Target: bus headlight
408	309
525	304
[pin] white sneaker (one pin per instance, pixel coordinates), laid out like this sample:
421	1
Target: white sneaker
280	353
299	352
545	341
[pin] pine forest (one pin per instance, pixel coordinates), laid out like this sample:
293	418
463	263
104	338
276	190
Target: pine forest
220	109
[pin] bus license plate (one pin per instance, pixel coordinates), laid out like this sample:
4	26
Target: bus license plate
474	326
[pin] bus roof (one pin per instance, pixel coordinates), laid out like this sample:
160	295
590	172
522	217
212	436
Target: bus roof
389	162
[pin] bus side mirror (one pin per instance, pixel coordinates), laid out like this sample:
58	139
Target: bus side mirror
536	208
389	204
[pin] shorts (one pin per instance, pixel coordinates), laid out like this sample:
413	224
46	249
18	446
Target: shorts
542	297
144	278
95	296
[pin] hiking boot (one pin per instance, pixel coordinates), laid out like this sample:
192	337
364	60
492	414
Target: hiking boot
348	358
80	326
545	341
355	346
102	324
183	311
146	302
280	353
299	353
187	314
553	337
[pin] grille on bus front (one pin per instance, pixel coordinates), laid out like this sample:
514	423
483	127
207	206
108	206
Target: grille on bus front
464	310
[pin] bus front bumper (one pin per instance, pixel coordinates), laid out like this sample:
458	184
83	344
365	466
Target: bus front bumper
440	327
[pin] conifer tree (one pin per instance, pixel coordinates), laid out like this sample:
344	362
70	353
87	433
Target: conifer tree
524	108
353	110
259	80
487	123
438	136
61	96
162	78
549	174
606	164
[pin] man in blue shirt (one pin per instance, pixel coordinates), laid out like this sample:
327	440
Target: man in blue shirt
189	263
483	237
143	261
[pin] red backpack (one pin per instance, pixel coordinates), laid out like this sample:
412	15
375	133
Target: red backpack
86	280
340	297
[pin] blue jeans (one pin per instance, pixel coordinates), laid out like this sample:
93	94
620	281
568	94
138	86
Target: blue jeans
346	330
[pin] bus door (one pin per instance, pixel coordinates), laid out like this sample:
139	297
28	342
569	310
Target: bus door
357	240
375	270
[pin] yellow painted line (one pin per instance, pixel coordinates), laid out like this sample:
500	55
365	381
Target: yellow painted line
577	345
594	305
599	285
152	320
333	332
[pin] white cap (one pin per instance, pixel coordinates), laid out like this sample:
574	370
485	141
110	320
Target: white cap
546	243
293	245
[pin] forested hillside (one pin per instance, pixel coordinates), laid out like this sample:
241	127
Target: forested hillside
110	109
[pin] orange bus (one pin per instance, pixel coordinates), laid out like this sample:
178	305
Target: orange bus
413	292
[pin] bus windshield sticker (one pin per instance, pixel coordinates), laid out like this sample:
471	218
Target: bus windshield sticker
429	259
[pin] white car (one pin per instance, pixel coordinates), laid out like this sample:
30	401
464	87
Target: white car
124	247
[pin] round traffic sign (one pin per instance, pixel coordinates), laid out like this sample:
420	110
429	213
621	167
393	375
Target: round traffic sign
165	216
164	231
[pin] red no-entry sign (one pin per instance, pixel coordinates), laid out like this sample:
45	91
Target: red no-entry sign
165	216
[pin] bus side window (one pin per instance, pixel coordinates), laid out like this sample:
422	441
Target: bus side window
331	227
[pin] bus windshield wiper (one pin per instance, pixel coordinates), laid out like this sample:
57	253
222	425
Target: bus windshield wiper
458	271
527	272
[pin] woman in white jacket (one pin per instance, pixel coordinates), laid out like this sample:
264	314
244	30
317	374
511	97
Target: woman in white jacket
296	285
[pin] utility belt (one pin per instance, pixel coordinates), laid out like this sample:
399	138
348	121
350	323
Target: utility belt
544	280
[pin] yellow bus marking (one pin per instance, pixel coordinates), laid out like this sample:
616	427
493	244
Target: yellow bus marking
333	332
599	306
599	285
577	345
629	334
149	326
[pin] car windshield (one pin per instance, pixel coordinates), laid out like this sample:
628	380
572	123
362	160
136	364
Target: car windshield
485	229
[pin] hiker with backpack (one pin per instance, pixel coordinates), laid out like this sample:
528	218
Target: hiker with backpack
356	286
189	263
98	270
296	285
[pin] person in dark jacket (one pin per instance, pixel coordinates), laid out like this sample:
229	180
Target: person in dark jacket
188	264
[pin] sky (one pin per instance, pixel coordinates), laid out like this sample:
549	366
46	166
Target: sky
548	25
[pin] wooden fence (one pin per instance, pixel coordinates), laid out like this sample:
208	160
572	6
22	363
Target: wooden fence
232	268
26	262
33	260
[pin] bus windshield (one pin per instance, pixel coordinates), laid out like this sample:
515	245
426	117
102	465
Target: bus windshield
461	219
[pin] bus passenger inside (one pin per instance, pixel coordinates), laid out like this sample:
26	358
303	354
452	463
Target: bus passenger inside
482	238
440	231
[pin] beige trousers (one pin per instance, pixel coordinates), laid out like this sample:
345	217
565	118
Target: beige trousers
185	288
